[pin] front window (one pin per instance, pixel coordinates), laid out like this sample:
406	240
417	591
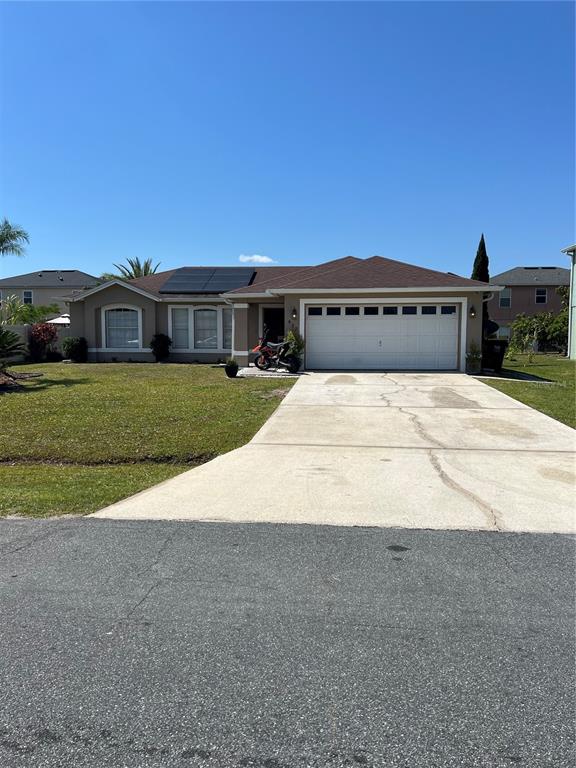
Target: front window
180	337
227	328
541	295
122	328
205	329
505	298
27	297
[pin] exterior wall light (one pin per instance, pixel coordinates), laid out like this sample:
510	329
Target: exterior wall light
294	313
472	311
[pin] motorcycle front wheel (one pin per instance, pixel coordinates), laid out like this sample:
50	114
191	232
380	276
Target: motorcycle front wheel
262	362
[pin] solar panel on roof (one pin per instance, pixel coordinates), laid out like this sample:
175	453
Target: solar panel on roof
208	279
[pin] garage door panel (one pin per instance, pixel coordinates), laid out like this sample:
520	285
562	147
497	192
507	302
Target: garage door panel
383	341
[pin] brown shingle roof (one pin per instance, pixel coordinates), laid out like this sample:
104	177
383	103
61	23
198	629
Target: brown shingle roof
347	273
375	272
152	283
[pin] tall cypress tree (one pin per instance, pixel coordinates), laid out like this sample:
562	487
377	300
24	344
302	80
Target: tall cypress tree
480	271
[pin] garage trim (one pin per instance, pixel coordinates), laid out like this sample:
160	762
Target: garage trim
461	300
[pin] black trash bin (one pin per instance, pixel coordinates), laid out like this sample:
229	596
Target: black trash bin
493	351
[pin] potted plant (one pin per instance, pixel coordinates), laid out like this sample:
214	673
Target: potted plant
474	358
231	368
160	346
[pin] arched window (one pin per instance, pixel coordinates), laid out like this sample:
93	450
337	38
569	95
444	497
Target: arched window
122	327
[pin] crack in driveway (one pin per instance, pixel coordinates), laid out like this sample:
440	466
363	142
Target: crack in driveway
492	515
420	429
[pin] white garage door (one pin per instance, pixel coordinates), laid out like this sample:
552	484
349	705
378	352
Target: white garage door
385	337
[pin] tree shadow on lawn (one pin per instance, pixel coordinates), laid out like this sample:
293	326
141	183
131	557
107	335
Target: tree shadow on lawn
512	375
28	385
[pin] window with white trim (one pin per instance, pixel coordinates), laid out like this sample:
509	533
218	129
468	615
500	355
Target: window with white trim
226	327
27	297
505	298
195	328
122	328
541	296
205	329
180	328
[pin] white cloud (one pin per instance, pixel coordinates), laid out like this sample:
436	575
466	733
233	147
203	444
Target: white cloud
256	259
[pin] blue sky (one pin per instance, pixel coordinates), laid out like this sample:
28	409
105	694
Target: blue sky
193	133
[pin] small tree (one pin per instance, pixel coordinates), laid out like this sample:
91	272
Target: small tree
481	268
481	271
42	336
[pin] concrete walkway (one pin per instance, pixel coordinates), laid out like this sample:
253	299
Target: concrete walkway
402	449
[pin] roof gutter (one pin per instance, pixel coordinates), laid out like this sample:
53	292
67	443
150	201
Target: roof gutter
354	291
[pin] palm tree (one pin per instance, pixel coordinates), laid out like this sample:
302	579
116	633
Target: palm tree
136	268
12	239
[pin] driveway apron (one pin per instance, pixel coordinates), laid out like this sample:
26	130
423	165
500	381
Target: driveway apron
415	450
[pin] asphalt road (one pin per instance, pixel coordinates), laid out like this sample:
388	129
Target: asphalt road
194	644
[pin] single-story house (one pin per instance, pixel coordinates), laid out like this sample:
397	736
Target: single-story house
353	313
46	286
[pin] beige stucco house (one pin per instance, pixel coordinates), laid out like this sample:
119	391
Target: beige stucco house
353	313
46	286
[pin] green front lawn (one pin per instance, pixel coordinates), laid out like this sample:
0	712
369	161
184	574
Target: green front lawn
553	391
83	436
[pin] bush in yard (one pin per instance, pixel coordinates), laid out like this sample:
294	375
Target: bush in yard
160	346
544	331
76	349
10	345
42	336
231	368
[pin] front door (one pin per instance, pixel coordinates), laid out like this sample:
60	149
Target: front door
273	319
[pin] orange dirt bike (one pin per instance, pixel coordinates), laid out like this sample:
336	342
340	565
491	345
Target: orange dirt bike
269	354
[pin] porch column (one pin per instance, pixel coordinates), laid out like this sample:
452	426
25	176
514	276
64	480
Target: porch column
240	345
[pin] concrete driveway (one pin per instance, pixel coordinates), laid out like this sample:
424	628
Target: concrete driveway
414	450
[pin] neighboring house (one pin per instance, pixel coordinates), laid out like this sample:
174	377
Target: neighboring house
571	251
527	291
47	286
353	314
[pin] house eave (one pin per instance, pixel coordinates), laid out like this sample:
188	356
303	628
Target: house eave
84	294
356	291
